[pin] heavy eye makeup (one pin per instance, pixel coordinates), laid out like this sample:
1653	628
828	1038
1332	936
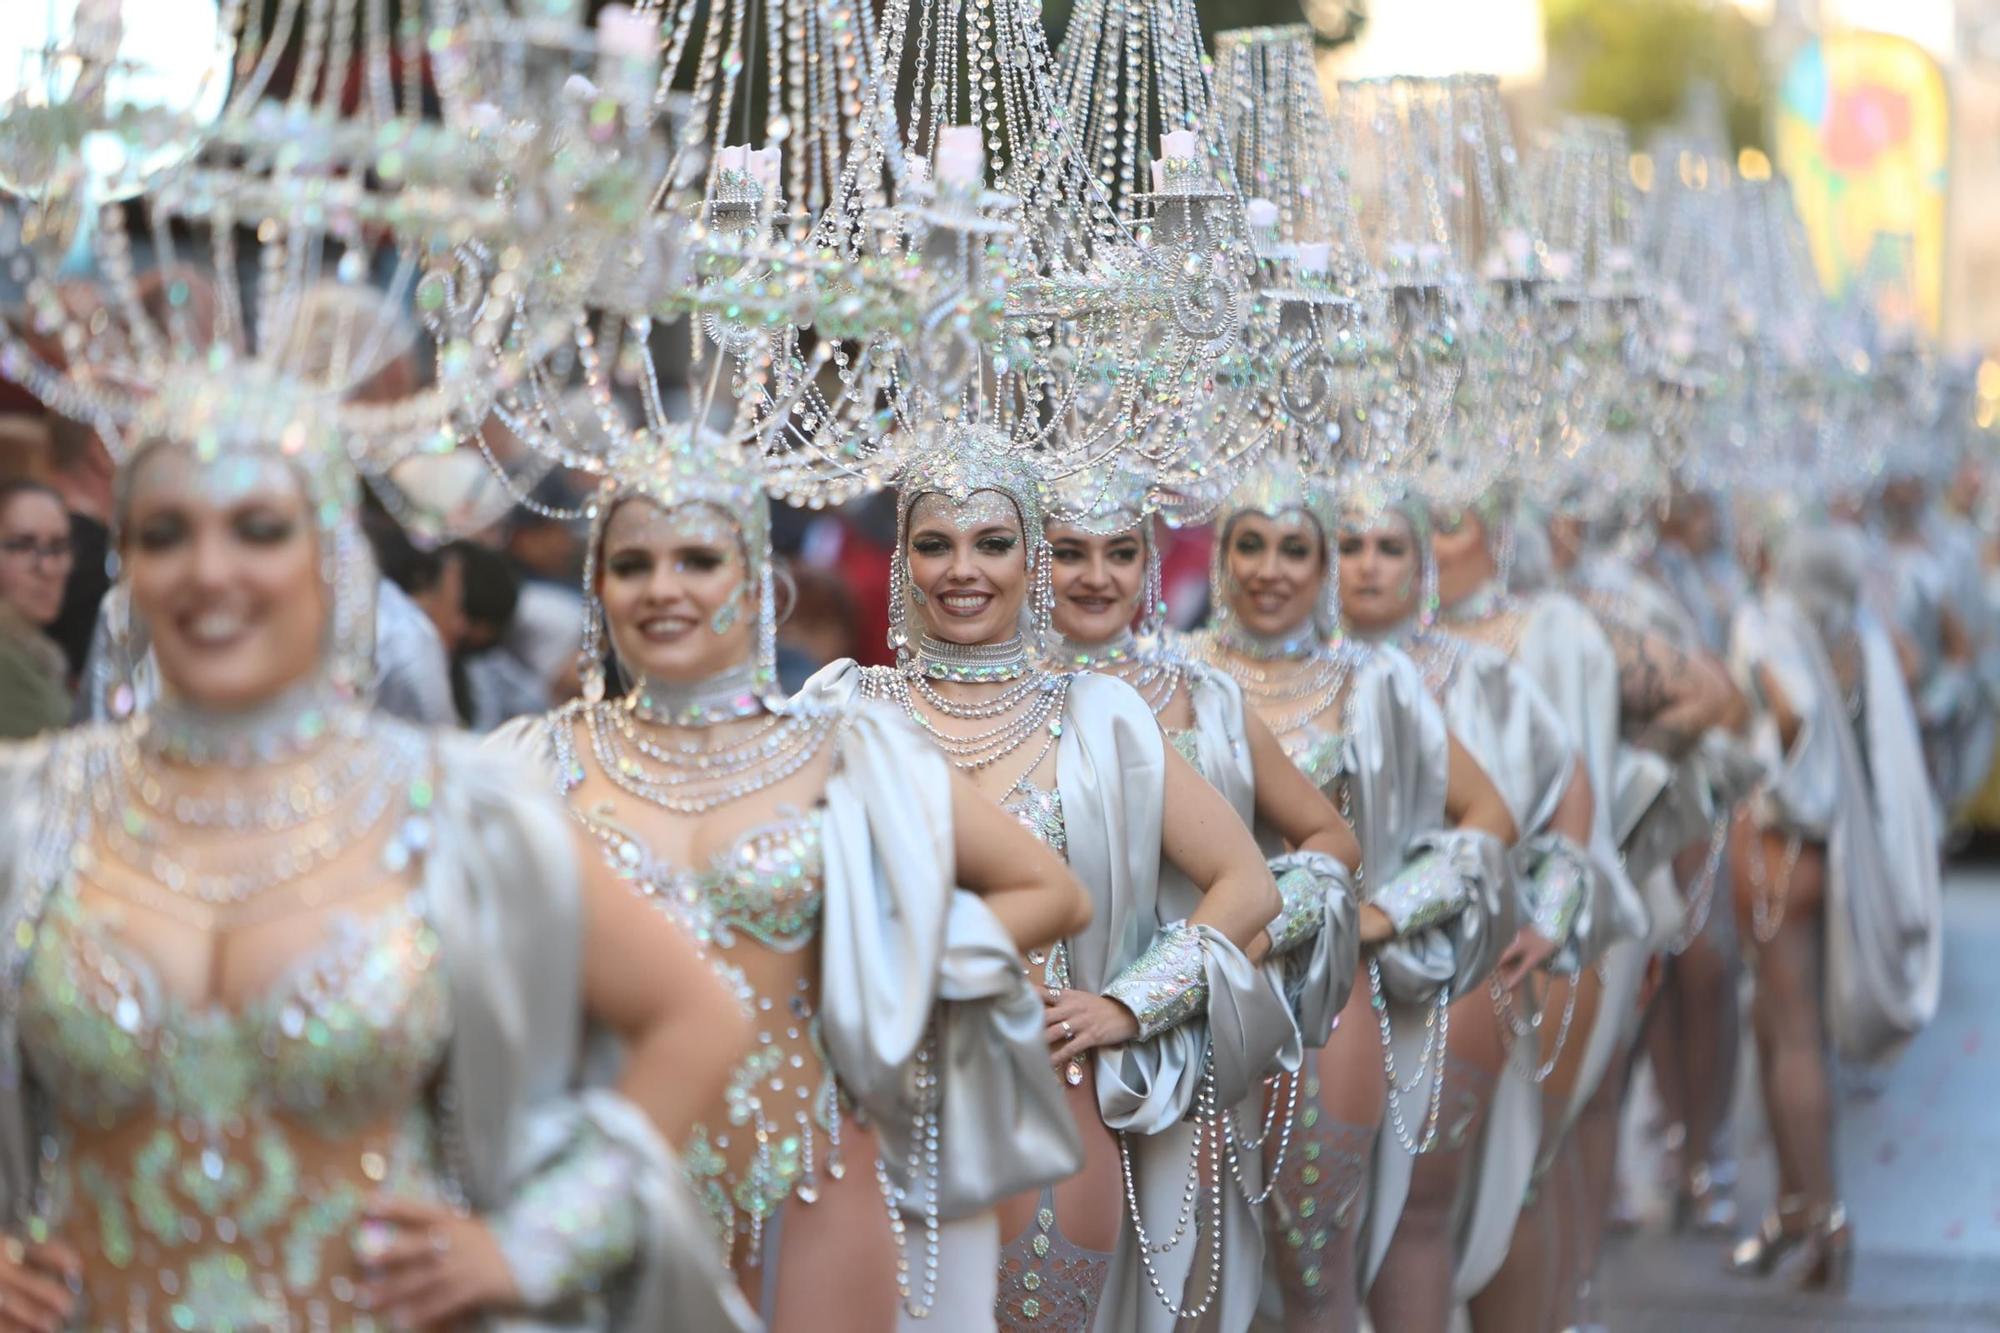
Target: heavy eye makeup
638	562
256	524
1296	548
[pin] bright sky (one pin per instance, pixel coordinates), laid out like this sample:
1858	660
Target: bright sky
1928	23
1435	37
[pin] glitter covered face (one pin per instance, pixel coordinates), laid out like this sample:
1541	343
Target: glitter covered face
223	561
1099	581
968	566
678	601
35	558
1380	569
1276	567
1464	560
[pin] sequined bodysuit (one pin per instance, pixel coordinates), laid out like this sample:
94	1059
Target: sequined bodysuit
210	1165
754	909
1047	1281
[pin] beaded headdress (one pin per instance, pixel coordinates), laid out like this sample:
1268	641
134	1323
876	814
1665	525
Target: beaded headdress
678	469
1277	489
959	462
231	419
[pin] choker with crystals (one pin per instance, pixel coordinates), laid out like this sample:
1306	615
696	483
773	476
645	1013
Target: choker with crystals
726	696
1301	642
294	723
1489	599
1069	655
971	663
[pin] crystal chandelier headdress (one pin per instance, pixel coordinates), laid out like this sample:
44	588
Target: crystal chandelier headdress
1434	179
1598	448
309	154
1318	350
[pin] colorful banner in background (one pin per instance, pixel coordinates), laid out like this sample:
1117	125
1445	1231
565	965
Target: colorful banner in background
1864	133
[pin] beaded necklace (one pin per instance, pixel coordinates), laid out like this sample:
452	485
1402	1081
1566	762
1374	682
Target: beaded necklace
1149	667
334	801
693	771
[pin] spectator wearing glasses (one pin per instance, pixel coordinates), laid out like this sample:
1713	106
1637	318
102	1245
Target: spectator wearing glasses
35	560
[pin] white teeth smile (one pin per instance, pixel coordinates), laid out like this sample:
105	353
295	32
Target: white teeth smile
215	627
965	603
665	626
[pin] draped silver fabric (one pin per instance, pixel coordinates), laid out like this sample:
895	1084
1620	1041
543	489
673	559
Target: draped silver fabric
1111	768
1508	725
1566	652
1397	761
1953	709
1111	765
1222	755
1883	906
501	891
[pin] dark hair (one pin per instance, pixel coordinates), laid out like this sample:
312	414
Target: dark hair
492	584
401	561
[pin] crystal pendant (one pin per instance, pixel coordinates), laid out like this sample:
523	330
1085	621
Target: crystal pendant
1073	1073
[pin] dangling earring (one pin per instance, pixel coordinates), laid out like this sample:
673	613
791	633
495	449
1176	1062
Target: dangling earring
917	596
590	656
725	615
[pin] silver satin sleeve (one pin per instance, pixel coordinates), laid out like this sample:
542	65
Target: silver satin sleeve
1566	652
1167	984
1454	894
1555	887
1802	790
573	1225
1317	954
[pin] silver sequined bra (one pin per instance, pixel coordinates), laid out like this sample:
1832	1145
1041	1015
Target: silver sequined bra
1040	811
210	1165
1316	753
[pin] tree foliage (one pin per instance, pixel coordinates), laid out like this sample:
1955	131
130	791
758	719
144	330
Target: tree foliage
1636	60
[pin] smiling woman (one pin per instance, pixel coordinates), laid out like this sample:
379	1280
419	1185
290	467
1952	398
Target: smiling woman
375	945
813	850
971	600
1356	721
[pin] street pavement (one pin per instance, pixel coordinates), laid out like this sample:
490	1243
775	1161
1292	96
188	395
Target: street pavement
1919	1153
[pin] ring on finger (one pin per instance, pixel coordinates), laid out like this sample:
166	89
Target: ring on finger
1068	1029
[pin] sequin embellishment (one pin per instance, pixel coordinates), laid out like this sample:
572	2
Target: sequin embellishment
211	1165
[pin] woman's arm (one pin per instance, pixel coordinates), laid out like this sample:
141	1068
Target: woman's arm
1300	814
1201	835
1783	711
1472	801
1954	638
1288	802
1669	692
643	979
1025	884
